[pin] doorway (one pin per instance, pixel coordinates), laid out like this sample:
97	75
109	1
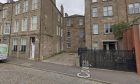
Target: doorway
109	45
32	48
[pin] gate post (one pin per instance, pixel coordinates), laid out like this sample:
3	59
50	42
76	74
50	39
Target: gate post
137	46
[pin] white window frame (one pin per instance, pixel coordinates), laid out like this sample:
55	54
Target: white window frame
69	46
16	26
61	32
94	12
4	12
108	11
57	30
6	28
23	43
105	0
24	24
81	21
34	4
1	29
15	43
25	6
34	20
107	26
131	8
95	45
59	18
93	1
137	7
95	29
17	8
69	22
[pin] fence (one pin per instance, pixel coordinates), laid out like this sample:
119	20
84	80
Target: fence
123	60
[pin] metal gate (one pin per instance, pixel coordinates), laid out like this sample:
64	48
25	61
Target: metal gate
123	60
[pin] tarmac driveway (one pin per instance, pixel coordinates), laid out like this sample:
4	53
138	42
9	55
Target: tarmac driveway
69	59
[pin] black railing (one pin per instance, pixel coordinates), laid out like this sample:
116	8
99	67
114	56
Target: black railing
123	60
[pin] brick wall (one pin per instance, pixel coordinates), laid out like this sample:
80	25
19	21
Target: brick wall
137	46
131	41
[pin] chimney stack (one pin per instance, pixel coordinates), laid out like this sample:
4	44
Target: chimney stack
9	1
62	10
66	15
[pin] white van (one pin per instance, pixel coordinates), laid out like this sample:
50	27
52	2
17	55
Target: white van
3	52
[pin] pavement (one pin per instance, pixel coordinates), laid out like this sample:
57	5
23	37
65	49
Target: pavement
13	74
99	75
69	59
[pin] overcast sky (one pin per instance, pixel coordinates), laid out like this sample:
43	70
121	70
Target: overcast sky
70	6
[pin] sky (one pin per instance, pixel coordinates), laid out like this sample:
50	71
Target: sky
70	6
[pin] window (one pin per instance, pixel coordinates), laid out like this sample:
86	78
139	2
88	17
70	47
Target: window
34	4
81	21
131	8
34	23
23	45
16	26
69	22
68	34
4	13
94	12
95	29
107	28
81	34
1	30
6	28
95	45
59	18
17	8
94	1
108	11
68	45
68	40
137	7
57	30
24	24
14	45
25	6
61	32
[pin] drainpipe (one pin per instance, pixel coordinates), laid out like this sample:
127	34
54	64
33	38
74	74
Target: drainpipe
10	29
91	22
127	21
39	57
126	11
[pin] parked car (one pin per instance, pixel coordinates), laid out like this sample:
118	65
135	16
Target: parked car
3	52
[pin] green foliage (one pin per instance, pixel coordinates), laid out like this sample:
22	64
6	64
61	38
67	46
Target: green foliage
119	28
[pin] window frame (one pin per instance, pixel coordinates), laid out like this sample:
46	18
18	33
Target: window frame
95	29
34	22
107	12
107	26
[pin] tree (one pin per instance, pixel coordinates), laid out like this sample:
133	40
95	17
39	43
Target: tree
118	29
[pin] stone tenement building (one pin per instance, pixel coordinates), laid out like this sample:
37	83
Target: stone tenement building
35	28
5	21
101	14
74	32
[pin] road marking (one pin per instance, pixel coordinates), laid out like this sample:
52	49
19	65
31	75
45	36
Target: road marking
84	73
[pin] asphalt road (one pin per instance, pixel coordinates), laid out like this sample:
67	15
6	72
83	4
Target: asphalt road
13	74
